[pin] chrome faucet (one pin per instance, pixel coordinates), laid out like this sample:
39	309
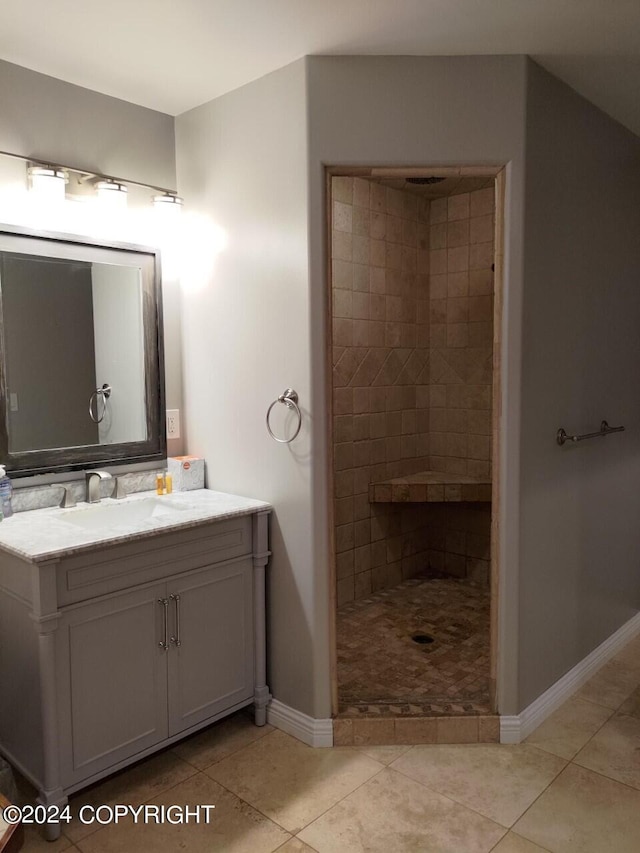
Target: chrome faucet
68	499
92	479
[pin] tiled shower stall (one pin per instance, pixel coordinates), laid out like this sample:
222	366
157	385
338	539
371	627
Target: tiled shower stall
412	284
412	295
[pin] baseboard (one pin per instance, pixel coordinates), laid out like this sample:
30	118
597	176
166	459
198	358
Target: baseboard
516	728
307	729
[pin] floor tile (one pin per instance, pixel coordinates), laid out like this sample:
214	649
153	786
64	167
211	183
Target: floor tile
614	683
133	786
295	845
631	707
489	729
630	654
220	740
35	842
457	730
384	754
615	751
567	730
342	732
414	730
235	827
583	812
498	781
290	782
371	732
392	813
513	843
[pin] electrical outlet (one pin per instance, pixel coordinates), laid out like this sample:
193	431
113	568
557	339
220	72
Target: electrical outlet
173	423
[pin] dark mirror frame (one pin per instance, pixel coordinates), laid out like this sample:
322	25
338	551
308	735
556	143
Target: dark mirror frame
27	463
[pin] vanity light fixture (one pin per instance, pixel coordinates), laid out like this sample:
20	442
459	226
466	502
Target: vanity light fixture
168	202
47	182
112	192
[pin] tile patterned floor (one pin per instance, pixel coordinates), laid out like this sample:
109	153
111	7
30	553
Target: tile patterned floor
573	787
382	671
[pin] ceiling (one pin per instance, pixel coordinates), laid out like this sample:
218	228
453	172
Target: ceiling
172	55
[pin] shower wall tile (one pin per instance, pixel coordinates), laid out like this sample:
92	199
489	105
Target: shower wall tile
461	346
458	207
412	334
342	190
381	354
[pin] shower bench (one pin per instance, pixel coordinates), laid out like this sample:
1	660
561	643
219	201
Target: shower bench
431	487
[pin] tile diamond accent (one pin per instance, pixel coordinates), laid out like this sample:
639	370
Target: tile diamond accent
382	671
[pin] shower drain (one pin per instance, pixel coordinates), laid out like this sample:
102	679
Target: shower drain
422	639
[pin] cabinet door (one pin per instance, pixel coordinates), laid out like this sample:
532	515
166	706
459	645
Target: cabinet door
112	681
212	667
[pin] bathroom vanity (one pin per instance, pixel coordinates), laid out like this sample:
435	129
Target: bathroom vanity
124	627
127	624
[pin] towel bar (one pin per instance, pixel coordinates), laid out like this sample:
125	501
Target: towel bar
605	429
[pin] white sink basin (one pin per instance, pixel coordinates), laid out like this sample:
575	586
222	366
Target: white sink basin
105	516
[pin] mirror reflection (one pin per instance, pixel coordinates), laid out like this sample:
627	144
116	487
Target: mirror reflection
74	352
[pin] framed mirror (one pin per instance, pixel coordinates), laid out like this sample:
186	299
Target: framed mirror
81	353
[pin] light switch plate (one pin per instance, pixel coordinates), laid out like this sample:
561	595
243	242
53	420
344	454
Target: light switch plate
173	423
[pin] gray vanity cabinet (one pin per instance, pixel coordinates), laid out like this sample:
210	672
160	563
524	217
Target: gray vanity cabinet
113	652
121	690
112	681
212	667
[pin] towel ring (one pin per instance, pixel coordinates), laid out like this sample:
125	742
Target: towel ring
105	393
290	399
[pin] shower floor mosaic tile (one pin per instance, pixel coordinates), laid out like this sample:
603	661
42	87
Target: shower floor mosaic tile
382	671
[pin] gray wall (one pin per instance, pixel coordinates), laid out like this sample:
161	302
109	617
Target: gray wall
407	111
257	322
580	545
568	555
242	166
48	119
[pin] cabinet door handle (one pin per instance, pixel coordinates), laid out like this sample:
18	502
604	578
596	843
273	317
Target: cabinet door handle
176	600
164	644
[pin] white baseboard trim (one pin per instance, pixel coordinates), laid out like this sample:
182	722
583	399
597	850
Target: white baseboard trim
307	729
515	729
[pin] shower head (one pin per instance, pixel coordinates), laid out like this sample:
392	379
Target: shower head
431	179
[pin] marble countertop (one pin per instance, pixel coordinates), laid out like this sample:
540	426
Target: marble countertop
44	534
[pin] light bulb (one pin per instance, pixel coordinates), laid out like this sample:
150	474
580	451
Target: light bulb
168	204
47	183
112	193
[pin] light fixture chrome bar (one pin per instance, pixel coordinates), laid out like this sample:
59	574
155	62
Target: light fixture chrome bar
605	429
168	199
49	164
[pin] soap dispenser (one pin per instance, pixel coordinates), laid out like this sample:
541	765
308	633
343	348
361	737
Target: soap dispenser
5	493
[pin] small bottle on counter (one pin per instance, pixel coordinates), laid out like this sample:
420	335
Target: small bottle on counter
5	493
160	484
168	483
